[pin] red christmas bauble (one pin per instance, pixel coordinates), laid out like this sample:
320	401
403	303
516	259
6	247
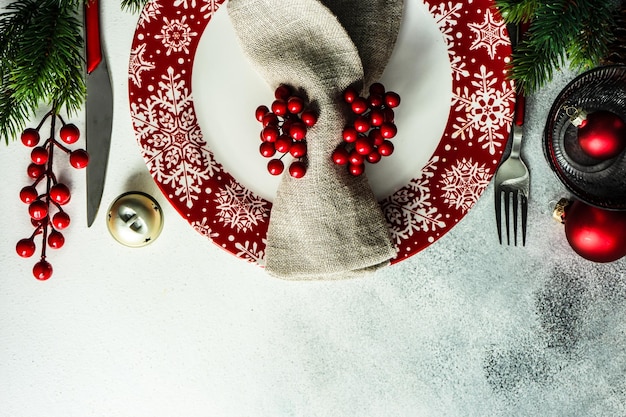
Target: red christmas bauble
602	135
595	234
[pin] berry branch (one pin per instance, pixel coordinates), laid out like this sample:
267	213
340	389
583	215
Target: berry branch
56	195
284	130
368	137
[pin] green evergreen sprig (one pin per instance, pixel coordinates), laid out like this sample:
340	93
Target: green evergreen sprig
576	33
41	59
133	6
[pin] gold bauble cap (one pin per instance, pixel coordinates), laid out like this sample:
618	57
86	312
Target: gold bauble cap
135	219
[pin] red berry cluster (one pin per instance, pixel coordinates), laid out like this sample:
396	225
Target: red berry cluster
368	137
284	130
56	195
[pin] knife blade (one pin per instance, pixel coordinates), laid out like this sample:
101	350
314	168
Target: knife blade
98	111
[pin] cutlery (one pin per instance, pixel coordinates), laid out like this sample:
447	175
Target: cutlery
512	180
99	110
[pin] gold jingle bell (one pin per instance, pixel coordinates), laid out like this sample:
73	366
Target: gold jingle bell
135	219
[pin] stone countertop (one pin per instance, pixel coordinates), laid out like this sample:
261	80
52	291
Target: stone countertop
464	328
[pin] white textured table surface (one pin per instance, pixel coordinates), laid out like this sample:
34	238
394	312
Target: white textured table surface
181	328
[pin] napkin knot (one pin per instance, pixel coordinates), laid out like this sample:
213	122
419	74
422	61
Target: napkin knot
325	224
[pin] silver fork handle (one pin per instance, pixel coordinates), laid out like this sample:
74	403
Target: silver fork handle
516	146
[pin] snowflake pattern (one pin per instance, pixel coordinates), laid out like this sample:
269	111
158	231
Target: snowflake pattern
489	34
149	13
446	15
209	7
218	207
171	139
411	209
176	35
484	110
204	228
138	64
251	251
239	208
463	183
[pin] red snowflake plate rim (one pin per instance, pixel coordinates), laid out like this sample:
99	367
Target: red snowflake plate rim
233	217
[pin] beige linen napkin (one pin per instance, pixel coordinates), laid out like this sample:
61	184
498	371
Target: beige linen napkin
328	224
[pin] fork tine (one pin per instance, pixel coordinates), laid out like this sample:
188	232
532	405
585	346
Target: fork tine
515	217
498	201
506	216
524	217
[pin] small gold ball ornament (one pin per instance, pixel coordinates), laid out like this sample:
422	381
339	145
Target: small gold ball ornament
135	219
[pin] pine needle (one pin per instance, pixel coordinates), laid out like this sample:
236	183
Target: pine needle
133	6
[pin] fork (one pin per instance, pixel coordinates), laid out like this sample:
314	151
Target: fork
512	180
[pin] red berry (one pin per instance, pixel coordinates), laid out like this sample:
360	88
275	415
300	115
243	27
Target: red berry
69	133
362	124
61	220
388	130
30	137
309	118
375	101
392	99
373	157
356	158
79	158
298	149
376	137
297	130
377	88
39	155
377	117
297	169
270	119
356	169
38	210
340	156
25	248
35	171
363	146
283	144
42	270
350	95
270	134
359	105
295	105
279	107
275	167
28	194
389	114
282	92
55	239
267	149
350	134
386	148
260	112
287	124
60	193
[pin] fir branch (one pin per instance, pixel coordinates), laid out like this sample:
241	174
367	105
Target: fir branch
517	11
134	6
574	31
42	62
